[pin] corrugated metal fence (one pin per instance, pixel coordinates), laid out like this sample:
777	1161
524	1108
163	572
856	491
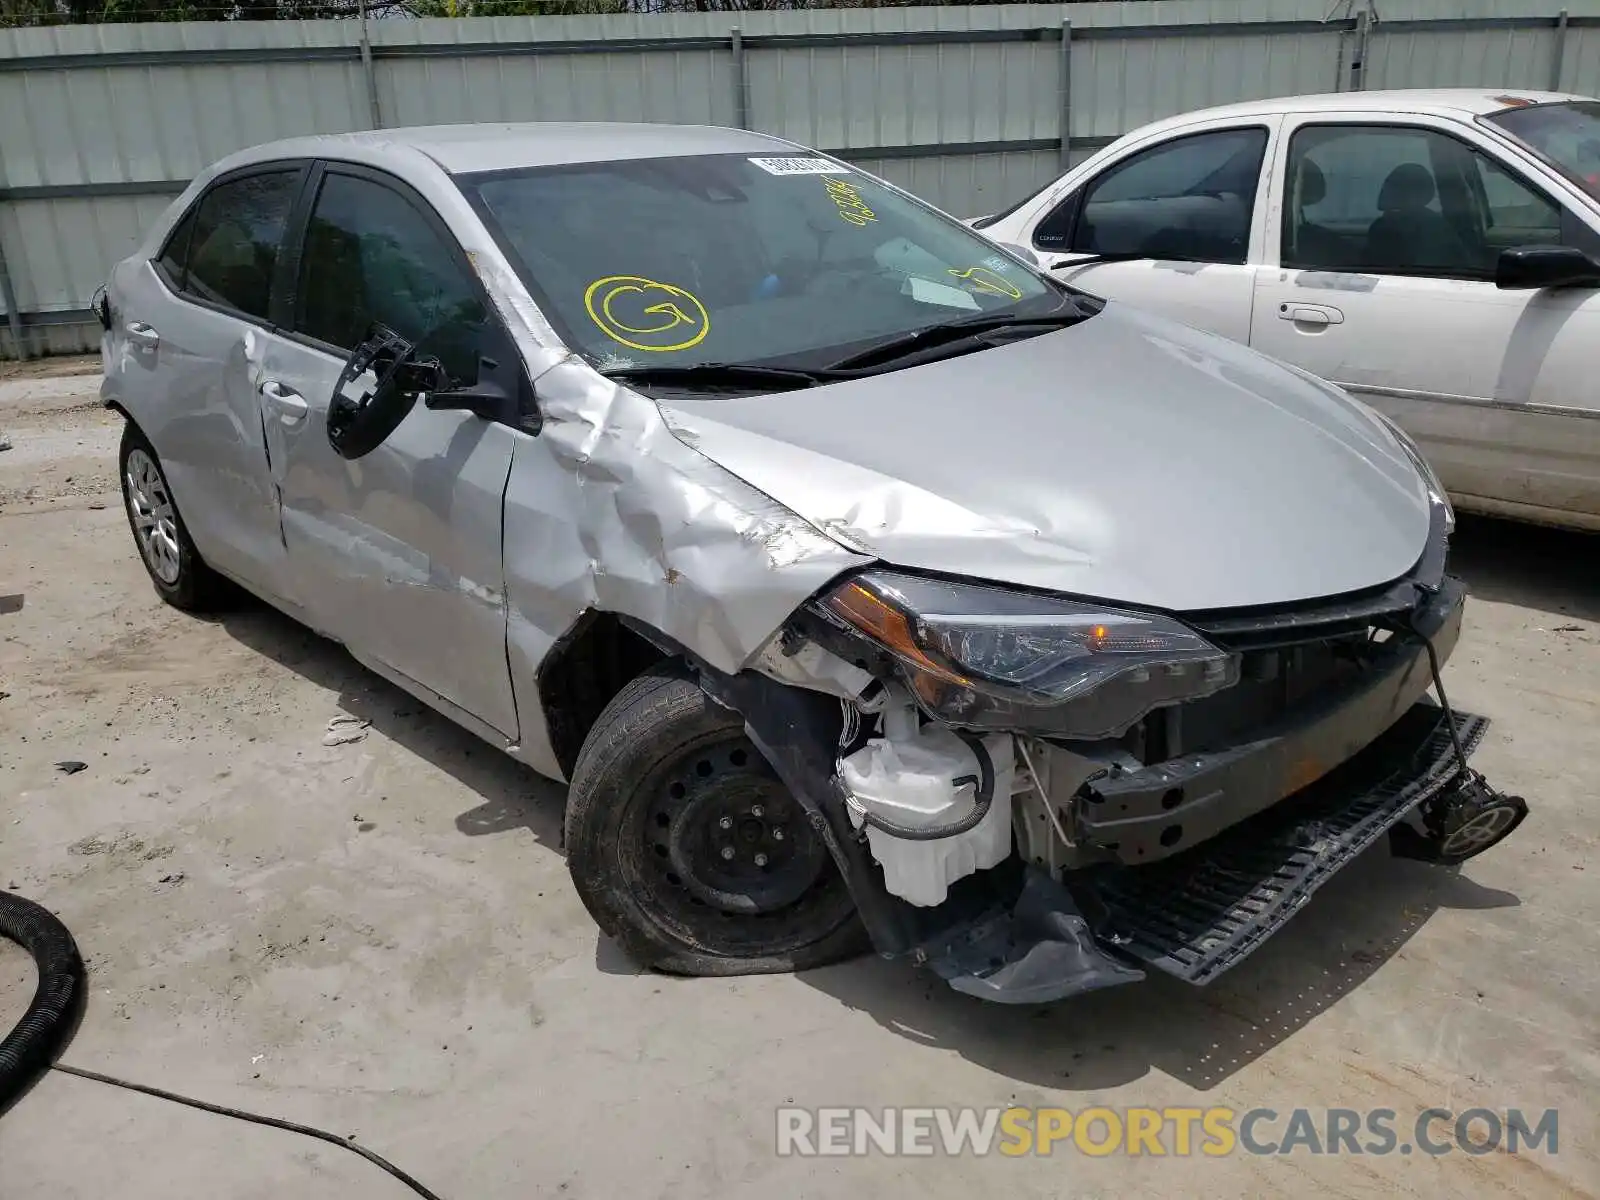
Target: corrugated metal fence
971	107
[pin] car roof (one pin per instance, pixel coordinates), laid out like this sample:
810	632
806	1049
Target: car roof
1460	103
467	148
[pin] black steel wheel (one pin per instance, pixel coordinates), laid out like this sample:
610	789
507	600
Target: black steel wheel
687	848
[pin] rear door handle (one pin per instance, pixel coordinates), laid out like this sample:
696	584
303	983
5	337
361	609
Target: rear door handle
291	405
144	335
1316	316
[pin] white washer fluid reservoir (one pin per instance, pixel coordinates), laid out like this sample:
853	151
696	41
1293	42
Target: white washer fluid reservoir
921	777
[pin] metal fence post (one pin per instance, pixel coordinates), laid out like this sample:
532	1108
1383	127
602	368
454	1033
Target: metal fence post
741	81
1560	52
8	295
373	111
1066	94
1358	59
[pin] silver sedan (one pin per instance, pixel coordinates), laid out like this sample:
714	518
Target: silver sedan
866	584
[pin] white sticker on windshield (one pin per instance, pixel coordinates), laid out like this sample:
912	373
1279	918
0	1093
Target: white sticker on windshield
800	166
928	292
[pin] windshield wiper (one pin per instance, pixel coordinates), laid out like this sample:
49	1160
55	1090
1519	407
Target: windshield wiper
1090	260
1116	256
957	331
715	375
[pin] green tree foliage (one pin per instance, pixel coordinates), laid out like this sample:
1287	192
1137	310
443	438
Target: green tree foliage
82	12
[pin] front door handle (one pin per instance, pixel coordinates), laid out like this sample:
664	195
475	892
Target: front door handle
1310	317
143	335
291	405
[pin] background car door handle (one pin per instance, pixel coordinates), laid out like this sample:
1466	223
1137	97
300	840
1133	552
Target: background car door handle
1317	316
143	335
291	405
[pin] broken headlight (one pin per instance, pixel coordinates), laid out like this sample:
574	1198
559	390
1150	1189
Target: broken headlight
990	658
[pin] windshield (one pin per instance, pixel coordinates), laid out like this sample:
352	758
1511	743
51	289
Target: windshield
736	259
1565	135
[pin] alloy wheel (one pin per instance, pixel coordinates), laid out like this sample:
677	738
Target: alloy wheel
155	519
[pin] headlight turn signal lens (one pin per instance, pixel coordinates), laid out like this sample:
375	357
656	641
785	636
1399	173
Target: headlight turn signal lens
865	610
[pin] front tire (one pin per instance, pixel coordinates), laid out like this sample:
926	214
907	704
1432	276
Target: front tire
687	849
175	567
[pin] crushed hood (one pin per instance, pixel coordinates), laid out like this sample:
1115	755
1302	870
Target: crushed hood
1126	458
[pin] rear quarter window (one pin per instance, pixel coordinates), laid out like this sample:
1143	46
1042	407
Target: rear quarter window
238	231
175	254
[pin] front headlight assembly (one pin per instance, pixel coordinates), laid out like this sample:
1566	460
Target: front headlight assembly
989	658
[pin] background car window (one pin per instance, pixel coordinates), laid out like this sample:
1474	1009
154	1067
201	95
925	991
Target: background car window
1405	201
237	231
1565	134
1513	215
371	256
1190	198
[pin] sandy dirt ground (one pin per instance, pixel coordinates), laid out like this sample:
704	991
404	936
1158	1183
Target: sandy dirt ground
380	938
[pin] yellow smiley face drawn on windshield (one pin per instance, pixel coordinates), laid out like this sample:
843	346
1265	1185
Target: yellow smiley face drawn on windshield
984	280
646	315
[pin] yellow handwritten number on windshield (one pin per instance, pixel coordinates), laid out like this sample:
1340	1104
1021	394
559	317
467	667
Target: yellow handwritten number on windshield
852	207
646	315
984	280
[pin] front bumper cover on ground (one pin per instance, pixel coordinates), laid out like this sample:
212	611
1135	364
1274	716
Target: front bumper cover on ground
1198	914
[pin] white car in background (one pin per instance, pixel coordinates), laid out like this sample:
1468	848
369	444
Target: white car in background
1436	253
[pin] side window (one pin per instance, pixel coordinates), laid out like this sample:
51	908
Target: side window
1055	230
1188	199
1395	200
238	227
371	256
176	252
1513	215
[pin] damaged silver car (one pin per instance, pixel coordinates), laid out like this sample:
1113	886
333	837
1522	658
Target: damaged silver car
867	586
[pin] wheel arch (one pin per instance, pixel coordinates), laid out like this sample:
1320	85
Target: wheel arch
594	660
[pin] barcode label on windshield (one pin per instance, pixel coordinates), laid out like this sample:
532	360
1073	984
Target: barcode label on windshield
799	166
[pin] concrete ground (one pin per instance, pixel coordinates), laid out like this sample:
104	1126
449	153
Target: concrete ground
380	938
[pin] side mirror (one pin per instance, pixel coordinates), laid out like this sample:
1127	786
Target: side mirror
493	397
378	387
1524	267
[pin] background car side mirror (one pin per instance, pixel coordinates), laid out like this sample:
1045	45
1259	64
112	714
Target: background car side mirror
1545	267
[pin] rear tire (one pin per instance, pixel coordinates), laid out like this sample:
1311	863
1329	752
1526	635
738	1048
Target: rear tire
175	567
687	849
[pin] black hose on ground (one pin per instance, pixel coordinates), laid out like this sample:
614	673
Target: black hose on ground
31	1047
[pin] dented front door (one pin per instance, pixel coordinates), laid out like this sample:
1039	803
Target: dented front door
397	553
